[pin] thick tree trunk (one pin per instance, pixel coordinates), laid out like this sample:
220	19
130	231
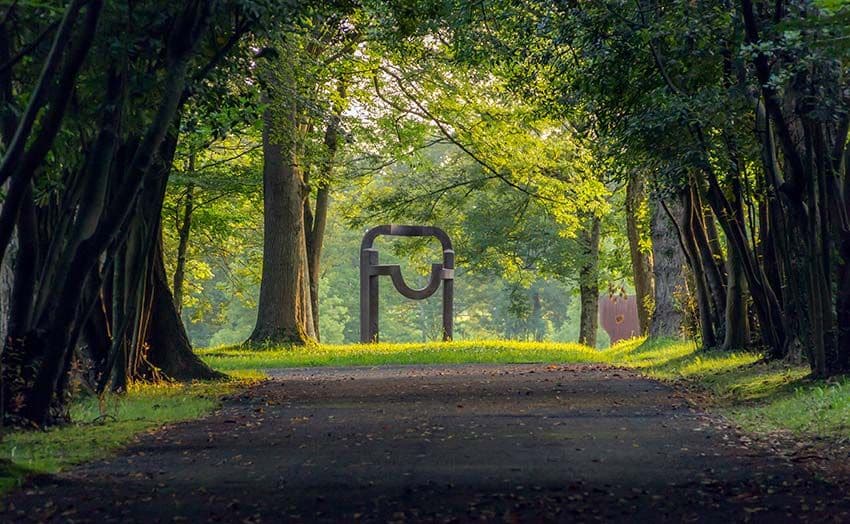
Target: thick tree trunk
589	284
284	314
737	320
668	263
88	225
641	263
146	327
169	348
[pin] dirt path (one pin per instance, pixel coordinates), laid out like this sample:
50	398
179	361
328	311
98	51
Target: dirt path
519	443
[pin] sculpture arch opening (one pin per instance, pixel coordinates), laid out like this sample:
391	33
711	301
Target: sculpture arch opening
371	270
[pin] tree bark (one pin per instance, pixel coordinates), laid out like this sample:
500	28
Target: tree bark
316	239
668	263
737	320
641	262
93	217
589	284
695	258
316	222
284	313
714	281
169	348
183	243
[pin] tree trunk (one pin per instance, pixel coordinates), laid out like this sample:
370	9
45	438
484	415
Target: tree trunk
737	324
147	330
317	221
668	262
88	225
7	274
695	257
715	283
169	348
284	313
589	284
736	315
842	306
538	327
183	242
641	263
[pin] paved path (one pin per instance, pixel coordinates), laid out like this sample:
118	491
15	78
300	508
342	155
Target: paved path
518	443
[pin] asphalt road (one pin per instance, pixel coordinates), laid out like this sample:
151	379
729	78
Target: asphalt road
504	443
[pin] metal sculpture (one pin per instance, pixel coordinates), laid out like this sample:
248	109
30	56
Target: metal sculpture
618	315
370	270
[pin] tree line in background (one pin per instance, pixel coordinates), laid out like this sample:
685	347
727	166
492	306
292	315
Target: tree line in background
209	159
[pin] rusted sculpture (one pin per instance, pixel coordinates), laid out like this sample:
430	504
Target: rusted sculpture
370	270
618	316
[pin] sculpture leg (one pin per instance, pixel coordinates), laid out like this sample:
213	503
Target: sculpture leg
448	309
368	296
448	294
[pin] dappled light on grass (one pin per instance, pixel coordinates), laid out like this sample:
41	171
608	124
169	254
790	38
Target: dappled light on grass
809	408
98	428
760	396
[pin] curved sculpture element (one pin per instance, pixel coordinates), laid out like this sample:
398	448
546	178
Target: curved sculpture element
417	294
370	270
405	231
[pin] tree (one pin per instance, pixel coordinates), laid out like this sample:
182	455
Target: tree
668	270
89	236
294	231
641	262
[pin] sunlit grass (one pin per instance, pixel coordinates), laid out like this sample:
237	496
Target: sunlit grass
757	395
461	352
100	428
733	376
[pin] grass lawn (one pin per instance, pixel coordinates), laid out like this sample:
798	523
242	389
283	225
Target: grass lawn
228	359
100	428
760	397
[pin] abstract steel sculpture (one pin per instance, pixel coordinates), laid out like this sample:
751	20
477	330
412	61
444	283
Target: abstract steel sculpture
370	270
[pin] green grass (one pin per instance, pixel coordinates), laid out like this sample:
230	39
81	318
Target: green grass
99	429
761	397
480	351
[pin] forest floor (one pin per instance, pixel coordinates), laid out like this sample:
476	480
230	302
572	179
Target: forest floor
506	442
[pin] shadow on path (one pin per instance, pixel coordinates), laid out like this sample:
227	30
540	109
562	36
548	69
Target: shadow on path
515	443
